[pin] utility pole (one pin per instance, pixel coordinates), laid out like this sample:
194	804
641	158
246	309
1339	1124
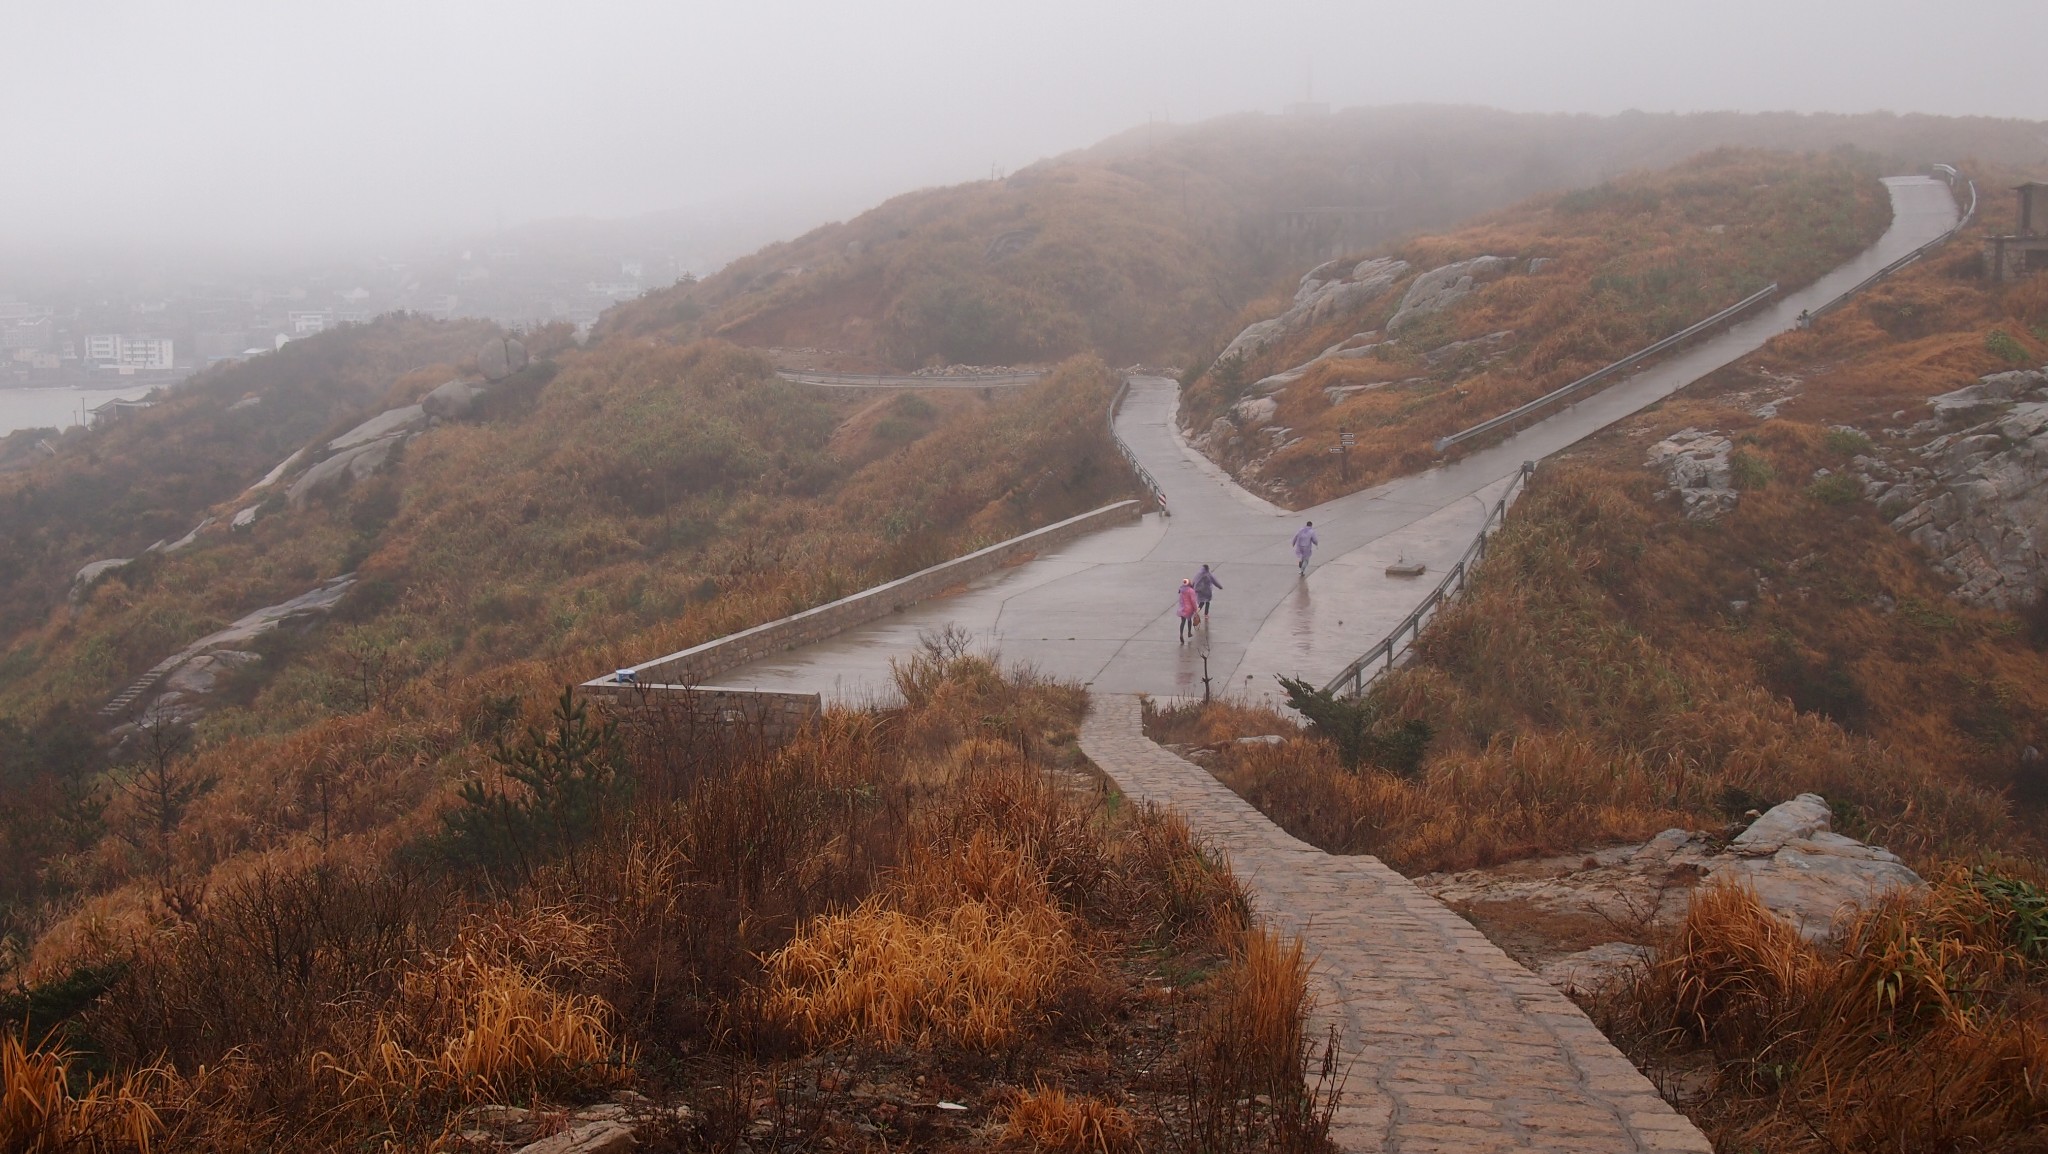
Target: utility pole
1205	679
1345	443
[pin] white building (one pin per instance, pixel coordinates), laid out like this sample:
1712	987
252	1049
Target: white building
128	354
306	323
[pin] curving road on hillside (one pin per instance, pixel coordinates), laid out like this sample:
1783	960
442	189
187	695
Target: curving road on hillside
1100	611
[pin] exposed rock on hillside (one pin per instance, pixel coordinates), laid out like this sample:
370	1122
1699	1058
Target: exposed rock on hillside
400	420
1798	867
500	357
1976	496
183	680
89	575
1324	295
355	464
1440	288
452	401
1695	465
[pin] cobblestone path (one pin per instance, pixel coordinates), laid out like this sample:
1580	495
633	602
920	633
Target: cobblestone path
1451	1045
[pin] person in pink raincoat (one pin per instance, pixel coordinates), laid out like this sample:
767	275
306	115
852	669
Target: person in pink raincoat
1188	608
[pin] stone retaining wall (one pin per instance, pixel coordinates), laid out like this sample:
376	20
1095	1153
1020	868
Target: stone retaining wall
773	717
699	664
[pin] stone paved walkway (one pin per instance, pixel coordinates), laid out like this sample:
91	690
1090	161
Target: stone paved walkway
1452	1045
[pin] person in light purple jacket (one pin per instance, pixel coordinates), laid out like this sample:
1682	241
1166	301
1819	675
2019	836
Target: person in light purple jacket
1206	586
1305	542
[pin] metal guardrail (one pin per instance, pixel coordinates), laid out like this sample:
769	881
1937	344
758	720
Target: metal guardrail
1969	214
1598	375
1116	403
1380	658
904	381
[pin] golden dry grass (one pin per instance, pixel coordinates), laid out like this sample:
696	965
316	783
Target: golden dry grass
482	1023
39	1114
1633	260
979	972
1050	1119
1920	1030
1256	1078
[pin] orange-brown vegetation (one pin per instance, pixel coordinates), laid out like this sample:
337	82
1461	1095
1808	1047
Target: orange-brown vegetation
635	501
1632	260
1921	1029
1141	247
1049	1118
929	902
1616	668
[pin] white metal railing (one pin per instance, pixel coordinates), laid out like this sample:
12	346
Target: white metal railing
1596	376
1380	658
907	381
1116	404
1969	214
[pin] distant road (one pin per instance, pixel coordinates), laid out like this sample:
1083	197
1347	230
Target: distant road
886	381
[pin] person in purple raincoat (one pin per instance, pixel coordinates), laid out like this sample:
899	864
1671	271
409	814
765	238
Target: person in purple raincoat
1206	586
1305	543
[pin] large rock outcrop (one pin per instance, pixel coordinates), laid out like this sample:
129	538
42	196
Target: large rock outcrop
343	468
1440	288
1975	496
1696	467
1802	871
1324	295
404	419
178	686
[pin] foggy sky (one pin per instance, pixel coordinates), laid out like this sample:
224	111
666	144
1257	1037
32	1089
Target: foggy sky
299	125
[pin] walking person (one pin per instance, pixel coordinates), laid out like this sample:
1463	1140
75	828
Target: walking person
1188	608
1206	586
1305	542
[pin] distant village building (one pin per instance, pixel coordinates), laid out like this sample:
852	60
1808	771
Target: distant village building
128	354
116	409
304	323
2026	251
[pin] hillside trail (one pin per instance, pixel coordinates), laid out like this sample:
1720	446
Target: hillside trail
1447	1043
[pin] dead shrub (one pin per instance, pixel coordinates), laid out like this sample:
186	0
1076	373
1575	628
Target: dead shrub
484	1021
1919	1029
1255	1079
1050	1119
39	1113
979	973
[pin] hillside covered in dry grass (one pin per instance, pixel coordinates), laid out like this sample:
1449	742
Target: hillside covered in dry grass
1619	667
918	928
607	505
1142	247
1581	280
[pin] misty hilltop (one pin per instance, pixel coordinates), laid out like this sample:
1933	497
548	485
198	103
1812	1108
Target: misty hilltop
1139	248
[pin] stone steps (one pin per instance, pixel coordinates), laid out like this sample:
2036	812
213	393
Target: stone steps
124	700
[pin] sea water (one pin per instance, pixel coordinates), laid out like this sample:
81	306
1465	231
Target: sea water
56	408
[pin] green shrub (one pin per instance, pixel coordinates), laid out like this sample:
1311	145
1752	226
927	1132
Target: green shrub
1846	443
1750	470
1836	489
569	779
2000	344
1359	730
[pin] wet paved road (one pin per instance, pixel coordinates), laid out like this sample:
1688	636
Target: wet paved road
1100	610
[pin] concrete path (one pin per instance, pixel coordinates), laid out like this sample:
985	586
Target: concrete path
1450	1044
1100	611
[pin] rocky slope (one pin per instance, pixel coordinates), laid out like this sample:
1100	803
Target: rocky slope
1974	492
1545	910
